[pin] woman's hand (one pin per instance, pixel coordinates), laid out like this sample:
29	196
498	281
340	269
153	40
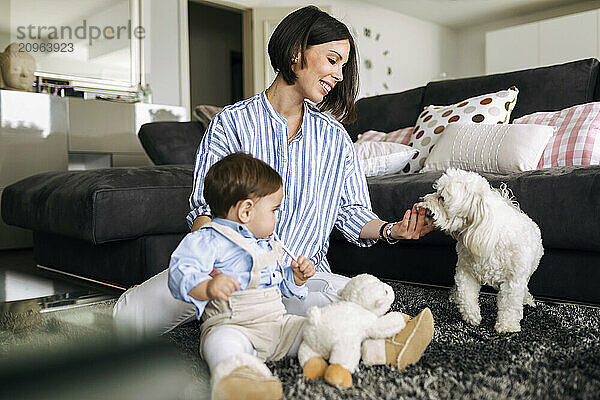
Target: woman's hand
413	225
199	222
303	269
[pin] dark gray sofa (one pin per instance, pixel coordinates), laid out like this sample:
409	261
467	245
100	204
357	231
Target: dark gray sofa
120	225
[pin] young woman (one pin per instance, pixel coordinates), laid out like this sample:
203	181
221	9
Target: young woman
287	127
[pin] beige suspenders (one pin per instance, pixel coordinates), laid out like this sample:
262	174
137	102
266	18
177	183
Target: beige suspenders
259	261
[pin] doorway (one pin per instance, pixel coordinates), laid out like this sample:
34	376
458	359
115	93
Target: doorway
216	53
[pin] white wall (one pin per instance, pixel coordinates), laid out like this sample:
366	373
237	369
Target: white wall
160	18
4	24
4	40
416	51
471	40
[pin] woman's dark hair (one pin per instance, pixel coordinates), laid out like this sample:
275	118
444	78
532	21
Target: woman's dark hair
307	27
236	177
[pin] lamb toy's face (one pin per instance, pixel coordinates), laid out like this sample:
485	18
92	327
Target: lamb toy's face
370	293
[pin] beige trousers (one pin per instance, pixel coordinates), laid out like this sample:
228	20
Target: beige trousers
260	315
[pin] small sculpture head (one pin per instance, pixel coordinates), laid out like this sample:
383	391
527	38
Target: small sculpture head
16	68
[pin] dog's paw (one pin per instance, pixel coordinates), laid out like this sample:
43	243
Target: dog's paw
528	300
507	327
452	295
472	318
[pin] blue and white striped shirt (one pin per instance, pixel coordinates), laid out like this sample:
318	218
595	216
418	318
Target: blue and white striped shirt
323	184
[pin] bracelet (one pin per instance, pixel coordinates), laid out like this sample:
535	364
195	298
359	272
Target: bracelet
385	233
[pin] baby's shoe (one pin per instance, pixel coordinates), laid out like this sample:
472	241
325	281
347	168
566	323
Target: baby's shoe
244	377
407	346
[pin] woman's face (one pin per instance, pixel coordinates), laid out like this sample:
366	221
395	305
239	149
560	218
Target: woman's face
323	69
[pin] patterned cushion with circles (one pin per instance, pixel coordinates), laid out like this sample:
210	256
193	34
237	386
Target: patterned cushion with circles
491	108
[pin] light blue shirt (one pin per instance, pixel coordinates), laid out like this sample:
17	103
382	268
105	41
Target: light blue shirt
323	184
201	251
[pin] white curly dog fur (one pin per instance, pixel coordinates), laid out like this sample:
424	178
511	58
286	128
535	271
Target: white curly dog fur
336	331
497	244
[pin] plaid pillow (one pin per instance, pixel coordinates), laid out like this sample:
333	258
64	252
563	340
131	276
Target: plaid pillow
401	136
576	141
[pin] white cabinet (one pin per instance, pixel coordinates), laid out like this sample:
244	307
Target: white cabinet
512	48
553	41
33	139
569	38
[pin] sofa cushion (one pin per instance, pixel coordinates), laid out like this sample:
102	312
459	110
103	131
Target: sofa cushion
540	89
563	201
576	142
489	108
502	148
204	113
102	205
387	112
171	142
401	136
383	158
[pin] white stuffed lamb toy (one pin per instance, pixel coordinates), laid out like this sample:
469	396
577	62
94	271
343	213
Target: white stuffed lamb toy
336	331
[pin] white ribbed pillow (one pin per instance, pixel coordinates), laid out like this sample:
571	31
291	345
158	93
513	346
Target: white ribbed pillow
489	147
383	158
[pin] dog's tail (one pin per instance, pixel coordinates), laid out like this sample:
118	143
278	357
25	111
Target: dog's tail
507	194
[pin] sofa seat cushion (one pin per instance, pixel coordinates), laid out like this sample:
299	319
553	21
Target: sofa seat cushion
102	205
563	201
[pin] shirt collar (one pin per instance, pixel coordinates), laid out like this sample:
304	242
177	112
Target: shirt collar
271	110
239	228
274	114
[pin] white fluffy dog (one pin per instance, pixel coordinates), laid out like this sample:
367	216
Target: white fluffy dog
497	244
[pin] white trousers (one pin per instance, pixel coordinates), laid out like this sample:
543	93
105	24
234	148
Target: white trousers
149	309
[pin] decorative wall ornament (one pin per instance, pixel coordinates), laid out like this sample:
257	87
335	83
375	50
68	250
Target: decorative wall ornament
376	70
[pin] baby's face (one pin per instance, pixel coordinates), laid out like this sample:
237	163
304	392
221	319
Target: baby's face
263	218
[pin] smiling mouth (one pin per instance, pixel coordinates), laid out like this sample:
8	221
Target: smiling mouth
325	87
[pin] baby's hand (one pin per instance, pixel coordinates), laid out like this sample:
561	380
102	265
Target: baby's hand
303	269
221	286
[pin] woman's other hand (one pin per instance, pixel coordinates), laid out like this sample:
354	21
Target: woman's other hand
199	222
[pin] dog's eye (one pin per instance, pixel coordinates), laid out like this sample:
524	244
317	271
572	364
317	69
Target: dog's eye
441	197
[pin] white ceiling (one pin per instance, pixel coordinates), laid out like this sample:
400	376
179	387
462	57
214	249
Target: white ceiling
458	13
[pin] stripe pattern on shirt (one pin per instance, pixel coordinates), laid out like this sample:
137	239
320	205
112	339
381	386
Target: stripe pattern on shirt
323	184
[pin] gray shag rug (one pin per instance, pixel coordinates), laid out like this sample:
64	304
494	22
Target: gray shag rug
555	356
